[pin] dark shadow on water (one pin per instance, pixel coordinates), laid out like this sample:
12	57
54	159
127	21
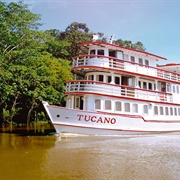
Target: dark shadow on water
32	130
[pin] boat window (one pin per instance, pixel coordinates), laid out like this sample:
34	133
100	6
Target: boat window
100	52
155	110
107	105
177	88
139	84
127	107
171	111
161	110
130	81
147	62
168	87
92	52
175	111
140	61
77	102
135	108
154	86
118	106
132	59
178	111
174	90
144	85
109	79
117	80
163	87
167	111
112	53
145	108
97	104
126	57
100	78
150	86
91	77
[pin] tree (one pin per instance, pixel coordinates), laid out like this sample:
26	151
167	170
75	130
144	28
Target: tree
56	46
125	43
18	35
75	34
29	70
139	45
47	82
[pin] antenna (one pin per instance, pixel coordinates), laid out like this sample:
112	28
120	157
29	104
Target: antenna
111	39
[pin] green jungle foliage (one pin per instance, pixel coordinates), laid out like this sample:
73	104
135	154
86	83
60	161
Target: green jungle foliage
35	64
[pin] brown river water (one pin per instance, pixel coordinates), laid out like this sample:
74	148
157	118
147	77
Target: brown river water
72	157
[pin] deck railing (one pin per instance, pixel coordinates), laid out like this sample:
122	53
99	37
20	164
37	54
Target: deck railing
111	62
116	90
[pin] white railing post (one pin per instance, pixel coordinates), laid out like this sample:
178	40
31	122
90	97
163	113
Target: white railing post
77	61
112	63
78	86
84	59
69	87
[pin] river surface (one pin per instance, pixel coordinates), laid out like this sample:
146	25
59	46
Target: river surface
72	157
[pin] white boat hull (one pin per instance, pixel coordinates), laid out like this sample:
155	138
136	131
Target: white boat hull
98	123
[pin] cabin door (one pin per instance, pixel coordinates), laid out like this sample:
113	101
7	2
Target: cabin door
112	53
124	80
78	103
81	102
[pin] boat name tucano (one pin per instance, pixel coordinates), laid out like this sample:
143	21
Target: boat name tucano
96	119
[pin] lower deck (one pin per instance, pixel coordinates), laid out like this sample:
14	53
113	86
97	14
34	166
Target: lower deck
150	111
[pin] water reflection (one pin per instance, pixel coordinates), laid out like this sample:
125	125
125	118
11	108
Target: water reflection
32	129
90	157
21	157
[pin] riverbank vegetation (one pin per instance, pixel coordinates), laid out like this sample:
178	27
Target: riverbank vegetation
35	64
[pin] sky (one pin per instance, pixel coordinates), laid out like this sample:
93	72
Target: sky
155	23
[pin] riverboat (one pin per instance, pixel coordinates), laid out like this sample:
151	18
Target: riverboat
118	90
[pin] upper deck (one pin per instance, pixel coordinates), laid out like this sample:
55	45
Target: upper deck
105	55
